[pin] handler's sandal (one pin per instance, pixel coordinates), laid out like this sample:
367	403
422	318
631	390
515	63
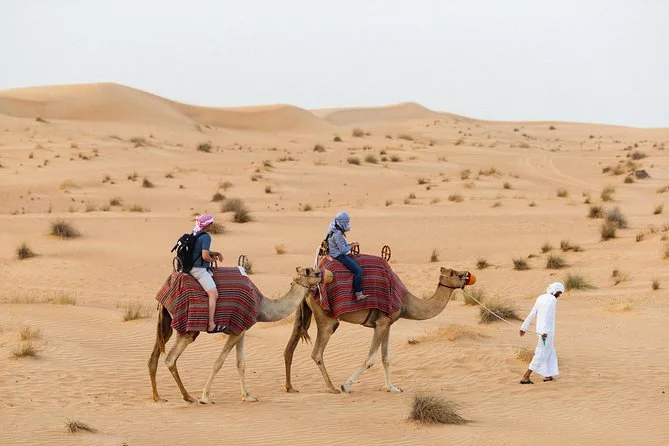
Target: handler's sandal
522	381
219	329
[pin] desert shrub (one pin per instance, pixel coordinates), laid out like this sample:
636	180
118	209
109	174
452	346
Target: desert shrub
307	207
267	164
616	216
577	282
138	141
520	264
524	354
640	236
357	133
336	139
371	158
532	204
353	160
147	183
405	137
608	230
133	311
412	196
552	127
655	284
489	171
546	247
502	309
77	426
596	212
217	197
464	175
506	185
216	228
232	205
64	230
562	193
434	257
422	180
29	334
395	158
116	201
566	246
456	198
138	208
482	263
389	202
628	180
658	209
637	155
268	189
280	249
26	350
242	215
555	262
204	147
319	148
607	193
23	251
63	298
430	409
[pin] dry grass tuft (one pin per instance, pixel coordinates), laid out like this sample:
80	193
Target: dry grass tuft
482	263
607	193
596	212
216	229
280	249
77	426
63	298
577	282
502	309
116	201
353	160
217	197
546	247
138	208
405	137
658	209
242	215
555	262
475	292
608	230
566	246
431	409
524	354
29	334
371	158
520	264
147	183
434	257
562	193
618	277
357	132
456	198
63	230
620	306
655	285
134	311
204	147
23	251
452	333
26	350
616	217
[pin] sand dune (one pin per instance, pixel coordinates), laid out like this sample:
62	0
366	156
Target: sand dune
463	193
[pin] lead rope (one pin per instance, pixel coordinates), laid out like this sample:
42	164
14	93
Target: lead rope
497	315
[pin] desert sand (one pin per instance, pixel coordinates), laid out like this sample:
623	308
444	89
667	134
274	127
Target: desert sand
470	192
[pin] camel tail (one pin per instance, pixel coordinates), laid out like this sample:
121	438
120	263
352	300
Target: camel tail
303	321
164	328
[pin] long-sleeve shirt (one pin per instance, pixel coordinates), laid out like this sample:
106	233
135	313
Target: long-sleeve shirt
544	311
337	244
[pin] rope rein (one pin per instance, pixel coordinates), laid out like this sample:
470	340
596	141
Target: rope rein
497	315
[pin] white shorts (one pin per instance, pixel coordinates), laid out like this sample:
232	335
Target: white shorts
204	277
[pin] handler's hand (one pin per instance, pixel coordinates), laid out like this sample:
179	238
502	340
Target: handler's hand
544	336
522	333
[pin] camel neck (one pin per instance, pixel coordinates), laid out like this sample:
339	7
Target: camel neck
421	309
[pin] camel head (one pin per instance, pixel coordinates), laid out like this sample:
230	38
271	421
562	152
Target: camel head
456	279
309	277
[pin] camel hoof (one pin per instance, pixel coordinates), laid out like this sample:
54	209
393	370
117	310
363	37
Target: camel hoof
158	399
335	391
206	400
189	399
345	388
291	390
249	398
394	389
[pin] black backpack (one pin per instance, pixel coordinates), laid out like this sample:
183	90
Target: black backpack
184	259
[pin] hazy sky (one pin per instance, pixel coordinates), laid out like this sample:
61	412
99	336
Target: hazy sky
576	60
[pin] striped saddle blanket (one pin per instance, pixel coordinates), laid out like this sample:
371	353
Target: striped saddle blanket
188	304
379	282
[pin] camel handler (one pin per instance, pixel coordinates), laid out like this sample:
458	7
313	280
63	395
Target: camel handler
545	360
202	260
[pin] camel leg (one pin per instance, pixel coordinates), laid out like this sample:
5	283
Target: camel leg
227	348
164	332
379	332
241	368
171	361
385	357
290	350
326	327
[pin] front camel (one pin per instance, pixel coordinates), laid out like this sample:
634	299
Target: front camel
411	307
266	310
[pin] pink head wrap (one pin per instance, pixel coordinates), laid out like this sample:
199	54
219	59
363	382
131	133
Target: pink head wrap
201	222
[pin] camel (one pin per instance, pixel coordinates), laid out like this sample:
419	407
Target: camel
269	310
412	308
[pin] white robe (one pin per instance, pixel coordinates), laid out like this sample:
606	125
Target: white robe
545	360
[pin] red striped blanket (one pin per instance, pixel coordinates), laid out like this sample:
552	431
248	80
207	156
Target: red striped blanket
379	282
187	303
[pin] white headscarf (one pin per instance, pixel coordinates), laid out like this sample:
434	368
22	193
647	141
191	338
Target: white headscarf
201	222
554	287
